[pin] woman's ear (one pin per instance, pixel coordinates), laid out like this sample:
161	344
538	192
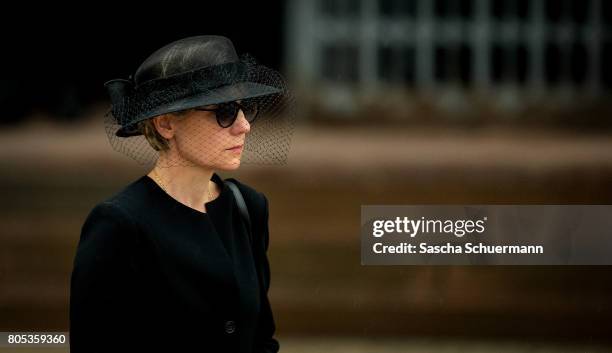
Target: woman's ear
165	125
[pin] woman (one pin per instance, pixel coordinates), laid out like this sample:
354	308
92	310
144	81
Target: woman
177	261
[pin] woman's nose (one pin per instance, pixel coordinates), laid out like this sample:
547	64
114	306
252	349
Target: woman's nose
241	125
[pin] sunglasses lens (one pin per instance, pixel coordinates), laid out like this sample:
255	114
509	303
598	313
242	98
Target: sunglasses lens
226	114
250	110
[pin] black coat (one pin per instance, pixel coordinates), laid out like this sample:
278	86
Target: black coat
153	274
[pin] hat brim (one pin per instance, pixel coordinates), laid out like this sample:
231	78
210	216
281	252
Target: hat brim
229	93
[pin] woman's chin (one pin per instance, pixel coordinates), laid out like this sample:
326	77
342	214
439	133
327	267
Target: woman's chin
230	165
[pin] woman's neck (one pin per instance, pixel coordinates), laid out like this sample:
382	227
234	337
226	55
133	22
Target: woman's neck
190	185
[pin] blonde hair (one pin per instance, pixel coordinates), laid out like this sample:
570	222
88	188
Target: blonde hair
155	139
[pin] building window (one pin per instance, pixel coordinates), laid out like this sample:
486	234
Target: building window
606	68
465	64
453	63
509	63
510	9
522	9
498	63
397	64
553	64
340	62
579	10
441	60
579	63
397	8
554	10
606	14
451	9
340	8
522	63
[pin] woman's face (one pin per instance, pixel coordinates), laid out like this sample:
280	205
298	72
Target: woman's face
199	139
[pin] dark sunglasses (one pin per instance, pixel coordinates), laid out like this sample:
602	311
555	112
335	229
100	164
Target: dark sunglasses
227	113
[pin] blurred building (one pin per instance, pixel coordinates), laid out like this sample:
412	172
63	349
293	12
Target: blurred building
507	55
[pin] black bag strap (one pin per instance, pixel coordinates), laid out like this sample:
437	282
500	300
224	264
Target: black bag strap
242	207
244	211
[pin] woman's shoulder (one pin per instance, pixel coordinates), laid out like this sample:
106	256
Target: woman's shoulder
116	209
120	207
111	223
105	234
129	199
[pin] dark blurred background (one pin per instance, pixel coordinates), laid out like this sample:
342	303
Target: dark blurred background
400	102
57	59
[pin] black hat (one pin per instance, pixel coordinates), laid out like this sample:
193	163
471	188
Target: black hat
187	73
195	72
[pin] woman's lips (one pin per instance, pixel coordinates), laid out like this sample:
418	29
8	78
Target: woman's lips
235	149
